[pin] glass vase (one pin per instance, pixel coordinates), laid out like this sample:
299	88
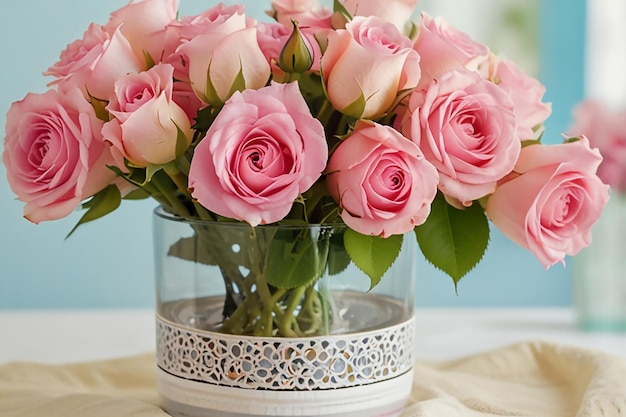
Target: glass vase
277	321
599	272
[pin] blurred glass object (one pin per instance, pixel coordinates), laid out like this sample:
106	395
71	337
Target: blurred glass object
599	272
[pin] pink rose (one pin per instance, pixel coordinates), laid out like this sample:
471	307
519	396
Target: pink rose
220	17
466	128
224	19
310	17
606	130
262	151
442	48
148	126
397	12
549	206
94	63
183	95
225	59
143	23
272	38
381	181
54	153
181	31
526	93
366	65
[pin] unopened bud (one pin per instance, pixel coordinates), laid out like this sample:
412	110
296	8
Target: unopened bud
297	54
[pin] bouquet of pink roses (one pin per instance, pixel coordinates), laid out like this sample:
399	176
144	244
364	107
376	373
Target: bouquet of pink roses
352	115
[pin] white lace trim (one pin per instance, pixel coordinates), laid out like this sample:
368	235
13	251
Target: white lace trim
316	363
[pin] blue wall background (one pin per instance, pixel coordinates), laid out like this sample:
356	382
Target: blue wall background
109	263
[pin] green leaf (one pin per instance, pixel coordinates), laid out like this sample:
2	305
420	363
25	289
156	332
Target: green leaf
356	108
204	118
454	240
148	59
530	142
338	7
181	141
137	194
101	204
196	249
151	169
183	162
413	30
210	93
372	254
322	41
239	84
571	140
136	177
338	258
213	245
99	107
295	258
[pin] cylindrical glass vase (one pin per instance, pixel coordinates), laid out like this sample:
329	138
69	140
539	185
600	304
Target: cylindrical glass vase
599	272
277	321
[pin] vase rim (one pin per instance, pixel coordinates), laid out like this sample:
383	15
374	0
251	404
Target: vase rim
159	211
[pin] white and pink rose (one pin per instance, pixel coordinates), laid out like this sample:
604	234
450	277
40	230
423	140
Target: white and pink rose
442	48
367	65
148	127
397	12
95	62
225	58
143	23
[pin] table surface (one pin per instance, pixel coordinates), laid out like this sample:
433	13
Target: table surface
62	336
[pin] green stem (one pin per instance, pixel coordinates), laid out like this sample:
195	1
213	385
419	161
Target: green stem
168	190
311	312
181	182
246	315
293	76
284	325
265	327
235	324
344	124
155	193
325	113
203	213
177	178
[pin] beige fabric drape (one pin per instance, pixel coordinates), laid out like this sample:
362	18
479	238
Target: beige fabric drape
527	379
